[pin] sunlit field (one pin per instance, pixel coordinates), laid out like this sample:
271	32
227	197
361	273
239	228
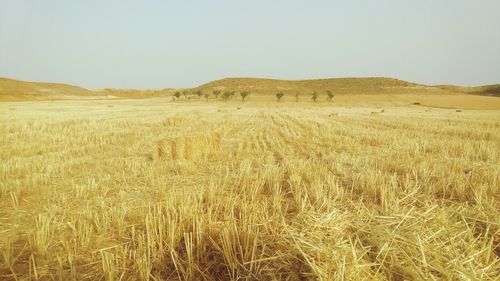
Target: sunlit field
191	190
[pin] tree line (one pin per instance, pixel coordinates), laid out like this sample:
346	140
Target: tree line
227	95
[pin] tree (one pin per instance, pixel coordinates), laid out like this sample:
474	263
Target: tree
185	93
297	97
198	93
244	95
207	95
177	94
279	95
231	94
330	95
314	96
226	96
216	93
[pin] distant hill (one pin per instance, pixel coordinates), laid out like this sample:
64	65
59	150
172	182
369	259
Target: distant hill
17	90
134	93
340	86
488	90
11	89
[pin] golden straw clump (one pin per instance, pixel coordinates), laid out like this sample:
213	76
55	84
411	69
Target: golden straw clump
173	121
190	147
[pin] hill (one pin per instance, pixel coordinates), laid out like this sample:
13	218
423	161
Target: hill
487	90
16	90
134	93
11	89
374	85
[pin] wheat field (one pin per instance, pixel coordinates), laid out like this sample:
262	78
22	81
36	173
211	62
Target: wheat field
162	190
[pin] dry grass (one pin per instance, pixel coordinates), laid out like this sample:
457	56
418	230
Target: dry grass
92	192
191	147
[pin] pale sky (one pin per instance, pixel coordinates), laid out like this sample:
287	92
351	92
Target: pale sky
158	44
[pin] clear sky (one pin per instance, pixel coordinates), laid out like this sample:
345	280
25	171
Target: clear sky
157	44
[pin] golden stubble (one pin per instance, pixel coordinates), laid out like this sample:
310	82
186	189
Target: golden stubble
155	190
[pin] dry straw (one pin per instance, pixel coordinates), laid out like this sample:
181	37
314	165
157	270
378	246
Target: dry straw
191	147
264	193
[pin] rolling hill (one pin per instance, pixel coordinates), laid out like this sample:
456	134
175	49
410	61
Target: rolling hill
16	90
375	85
134	93
11	89
487	90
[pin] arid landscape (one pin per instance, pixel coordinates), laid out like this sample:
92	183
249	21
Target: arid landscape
385	180
249	140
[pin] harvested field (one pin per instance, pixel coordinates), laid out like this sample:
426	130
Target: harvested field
159	190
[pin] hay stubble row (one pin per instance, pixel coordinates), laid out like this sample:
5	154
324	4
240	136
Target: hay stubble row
190	147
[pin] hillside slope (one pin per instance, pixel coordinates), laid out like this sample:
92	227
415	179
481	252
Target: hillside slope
135	93
341	86
487	90
11	89
16	90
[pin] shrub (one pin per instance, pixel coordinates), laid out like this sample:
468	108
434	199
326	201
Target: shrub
226	96
330	95
244	95
279	95
216	93
314	96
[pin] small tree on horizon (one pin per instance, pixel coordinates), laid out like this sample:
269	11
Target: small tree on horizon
185	93
207	95
297	97
216	93
244	95
279	95
330	95
198	93
314	96
226	96
177	94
